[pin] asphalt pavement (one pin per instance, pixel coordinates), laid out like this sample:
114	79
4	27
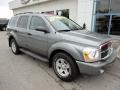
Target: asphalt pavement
22	72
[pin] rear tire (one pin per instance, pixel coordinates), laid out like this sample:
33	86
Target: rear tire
64	67
14	47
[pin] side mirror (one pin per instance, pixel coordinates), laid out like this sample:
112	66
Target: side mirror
42	29
84	26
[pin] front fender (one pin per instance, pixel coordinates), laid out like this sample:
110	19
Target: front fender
74	50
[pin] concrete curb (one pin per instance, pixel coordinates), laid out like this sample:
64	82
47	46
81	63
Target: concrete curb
116	44
118	52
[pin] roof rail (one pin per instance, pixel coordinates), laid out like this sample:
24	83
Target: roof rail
29	13
24	13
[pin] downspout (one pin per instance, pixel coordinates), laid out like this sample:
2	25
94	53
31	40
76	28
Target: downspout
93	16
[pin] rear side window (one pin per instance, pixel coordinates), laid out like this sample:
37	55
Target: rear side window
36	21
22	22
13	21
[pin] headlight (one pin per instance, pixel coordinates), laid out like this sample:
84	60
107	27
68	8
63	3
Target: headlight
91	54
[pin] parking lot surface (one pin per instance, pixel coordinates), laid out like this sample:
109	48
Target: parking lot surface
22	72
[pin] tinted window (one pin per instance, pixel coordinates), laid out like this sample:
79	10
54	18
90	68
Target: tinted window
103	6
115	6
102	23
13	21
22	22
36	21
115	26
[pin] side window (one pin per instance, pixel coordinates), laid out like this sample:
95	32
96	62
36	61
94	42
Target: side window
36	21
13	21
22	22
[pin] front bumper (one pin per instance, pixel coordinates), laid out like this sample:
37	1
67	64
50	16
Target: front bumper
96	67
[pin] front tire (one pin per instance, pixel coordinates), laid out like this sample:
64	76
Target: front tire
14	47
64	67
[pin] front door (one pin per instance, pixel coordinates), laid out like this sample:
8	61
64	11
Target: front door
38	40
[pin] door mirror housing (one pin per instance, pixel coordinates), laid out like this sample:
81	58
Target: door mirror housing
42	29
84	26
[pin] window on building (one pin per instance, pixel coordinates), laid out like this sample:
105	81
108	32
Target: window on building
115	25
36	21
102	6
22	22
64	13
115	6
112	9
102	24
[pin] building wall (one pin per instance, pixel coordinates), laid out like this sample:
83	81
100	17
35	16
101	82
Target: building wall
85	13
52	5
22	3
80	10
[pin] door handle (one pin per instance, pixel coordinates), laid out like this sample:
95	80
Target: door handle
29	34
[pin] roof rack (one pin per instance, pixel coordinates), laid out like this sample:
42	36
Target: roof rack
28	13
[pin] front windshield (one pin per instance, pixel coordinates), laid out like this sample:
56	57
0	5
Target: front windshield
62	23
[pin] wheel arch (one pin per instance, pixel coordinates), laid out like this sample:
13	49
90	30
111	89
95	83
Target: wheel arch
61	51
74	50
10	38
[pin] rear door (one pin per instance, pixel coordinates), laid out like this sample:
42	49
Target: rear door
22	31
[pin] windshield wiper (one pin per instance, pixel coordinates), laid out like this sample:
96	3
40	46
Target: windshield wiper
76	29
66	30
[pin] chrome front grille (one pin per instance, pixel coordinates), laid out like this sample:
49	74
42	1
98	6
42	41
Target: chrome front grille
106	50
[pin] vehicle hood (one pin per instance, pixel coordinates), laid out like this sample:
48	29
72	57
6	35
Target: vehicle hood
84	37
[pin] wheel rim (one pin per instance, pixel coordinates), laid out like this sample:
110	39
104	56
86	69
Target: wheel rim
63	67
13	46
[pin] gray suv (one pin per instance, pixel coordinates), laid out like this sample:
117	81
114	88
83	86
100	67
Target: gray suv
61	42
